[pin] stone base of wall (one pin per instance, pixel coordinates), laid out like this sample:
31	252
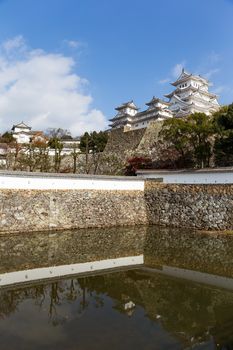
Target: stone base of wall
207	207
32	210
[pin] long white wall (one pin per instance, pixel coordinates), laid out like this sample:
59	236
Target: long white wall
30	181
175	177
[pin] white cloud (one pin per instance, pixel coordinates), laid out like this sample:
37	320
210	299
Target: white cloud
214	57
226	89
175	72
74	44
177	69
43	90
219	89
164	81
17	42
211	72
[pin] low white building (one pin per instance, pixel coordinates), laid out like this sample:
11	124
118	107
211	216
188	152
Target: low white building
24	135
69	146
21	133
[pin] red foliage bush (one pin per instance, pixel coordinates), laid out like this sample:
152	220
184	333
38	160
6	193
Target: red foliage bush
135	163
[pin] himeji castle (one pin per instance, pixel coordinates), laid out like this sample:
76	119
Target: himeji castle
191	94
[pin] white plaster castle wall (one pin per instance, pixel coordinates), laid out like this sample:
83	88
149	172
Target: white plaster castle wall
22	138
17	129
49	182
190	177
130	111
140	125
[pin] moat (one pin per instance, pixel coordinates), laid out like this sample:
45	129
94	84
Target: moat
143	287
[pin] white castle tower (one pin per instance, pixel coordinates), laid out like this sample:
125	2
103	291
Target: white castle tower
157	109
125	115
191	95
129	117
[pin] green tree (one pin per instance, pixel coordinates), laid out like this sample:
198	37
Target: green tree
85	147
175	132
57	145
7	137
223	147
223	119
74	154
190	136
92	145
200	129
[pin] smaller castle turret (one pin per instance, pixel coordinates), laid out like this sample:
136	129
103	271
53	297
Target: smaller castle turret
125	115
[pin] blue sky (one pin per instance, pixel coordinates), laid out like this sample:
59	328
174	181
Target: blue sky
87	56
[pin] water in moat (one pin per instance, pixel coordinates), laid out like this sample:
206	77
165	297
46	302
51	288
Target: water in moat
120	288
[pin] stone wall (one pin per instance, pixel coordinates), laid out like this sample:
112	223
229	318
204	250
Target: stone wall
123	143
30	210
121	146
84	202
207	207
141	142
150	142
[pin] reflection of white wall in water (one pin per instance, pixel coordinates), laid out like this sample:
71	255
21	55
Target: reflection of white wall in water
26	276
40	182
195	276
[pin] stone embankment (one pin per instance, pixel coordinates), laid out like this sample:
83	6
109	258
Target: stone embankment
31	201
35	202
204	206
140	142
67	209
